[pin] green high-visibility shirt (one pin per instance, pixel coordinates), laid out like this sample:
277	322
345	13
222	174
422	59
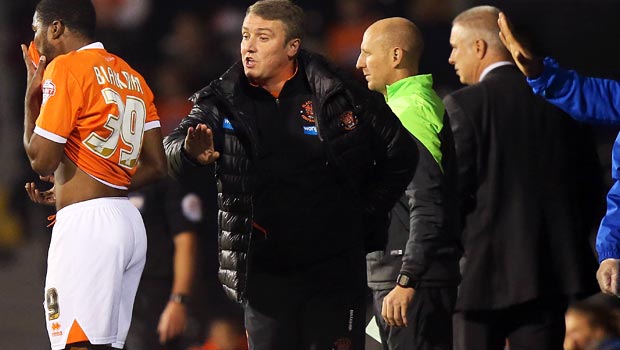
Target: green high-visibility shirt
421	111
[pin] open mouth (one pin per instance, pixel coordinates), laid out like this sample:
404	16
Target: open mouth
249	62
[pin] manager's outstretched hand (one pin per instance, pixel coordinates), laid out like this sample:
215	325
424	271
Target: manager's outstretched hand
199	145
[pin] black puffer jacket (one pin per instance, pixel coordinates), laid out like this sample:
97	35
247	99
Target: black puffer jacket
372	153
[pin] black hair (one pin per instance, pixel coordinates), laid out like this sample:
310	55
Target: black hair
78	15
599	316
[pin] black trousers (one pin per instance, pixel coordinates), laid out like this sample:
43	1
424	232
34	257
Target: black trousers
430	321
535	325
308	311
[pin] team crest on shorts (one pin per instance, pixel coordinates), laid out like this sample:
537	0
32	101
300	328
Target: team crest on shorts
307	112
342	344
56	329
348	121
49	90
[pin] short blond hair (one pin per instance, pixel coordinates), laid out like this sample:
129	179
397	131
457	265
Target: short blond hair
482	21
282	10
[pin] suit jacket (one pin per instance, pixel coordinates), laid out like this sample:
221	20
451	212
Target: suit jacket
530	192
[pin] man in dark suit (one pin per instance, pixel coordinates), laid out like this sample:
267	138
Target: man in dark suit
529	189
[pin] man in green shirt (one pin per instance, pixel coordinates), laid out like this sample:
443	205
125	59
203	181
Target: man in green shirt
414	279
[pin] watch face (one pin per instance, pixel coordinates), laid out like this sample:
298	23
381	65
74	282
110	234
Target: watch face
403	280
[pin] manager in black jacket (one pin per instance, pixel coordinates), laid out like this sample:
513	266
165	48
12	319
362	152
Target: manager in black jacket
530	185
308	167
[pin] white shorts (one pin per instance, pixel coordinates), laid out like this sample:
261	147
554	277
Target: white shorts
95	261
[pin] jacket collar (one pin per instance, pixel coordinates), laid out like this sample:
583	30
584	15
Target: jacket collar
498	70
493	66
322	78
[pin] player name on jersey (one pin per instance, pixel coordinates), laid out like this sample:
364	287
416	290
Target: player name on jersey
120	79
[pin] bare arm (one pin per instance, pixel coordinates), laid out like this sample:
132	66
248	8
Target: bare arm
44	155
184	262
174	317
152	164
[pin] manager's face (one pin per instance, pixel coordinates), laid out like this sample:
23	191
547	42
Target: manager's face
265	53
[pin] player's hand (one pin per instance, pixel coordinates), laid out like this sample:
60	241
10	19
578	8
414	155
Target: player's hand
34	78
530	65
171	322
199	144
395	304
608	276
41	197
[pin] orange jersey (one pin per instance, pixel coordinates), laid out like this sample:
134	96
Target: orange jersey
99	107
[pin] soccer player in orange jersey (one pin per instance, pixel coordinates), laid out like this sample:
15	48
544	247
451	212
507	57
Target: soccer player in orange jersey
89	120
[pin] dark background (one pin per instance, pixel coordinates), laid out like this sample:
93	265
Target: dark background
179	46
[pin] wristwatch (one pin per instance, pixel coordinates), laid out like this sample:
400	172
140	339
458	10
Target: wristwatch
406	282
179	298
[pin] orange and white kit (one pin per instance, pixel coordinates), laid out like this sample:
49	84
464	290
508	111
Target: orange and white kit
95	261
99	107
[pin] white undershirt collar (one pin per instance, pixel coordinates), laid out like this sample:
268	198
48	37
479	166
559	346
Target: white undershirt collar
95	45
493	66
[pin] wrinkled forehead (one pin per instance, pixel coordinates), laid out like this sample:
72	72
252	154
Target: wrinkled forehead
255	22
376	38
458	33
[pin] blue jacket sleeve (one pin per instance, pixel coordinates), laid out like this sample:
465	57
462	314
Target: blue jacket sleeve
584	98
592	100
608	237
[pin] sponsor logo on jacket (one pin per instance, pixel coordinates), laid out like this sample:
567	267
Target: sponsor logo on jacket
310	130
227	125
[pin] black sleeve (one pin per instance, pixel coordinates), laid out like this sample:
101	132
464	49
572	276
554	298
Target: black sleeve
396	156
427	232
183	208
203	112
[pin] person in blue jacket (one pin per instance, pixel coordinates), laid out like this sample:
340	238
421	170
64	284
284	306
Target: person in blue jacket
586	99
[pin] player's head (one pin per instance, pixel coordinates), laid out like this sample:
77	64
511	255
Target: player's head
55	21
475	43
390	51
589	323
271	36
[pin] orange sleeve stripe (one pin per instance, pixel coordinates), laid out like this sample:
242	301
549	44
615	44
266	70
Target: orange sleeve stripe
76	334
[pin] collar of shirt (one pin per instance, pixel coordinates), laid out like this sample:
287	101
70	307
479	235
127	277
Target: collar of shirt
293	85
95	45
406	85
493	66
419	109
277	94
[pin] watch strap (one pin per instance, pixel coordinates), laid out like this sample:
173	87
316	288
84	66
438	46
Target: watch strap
405	281
179	298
